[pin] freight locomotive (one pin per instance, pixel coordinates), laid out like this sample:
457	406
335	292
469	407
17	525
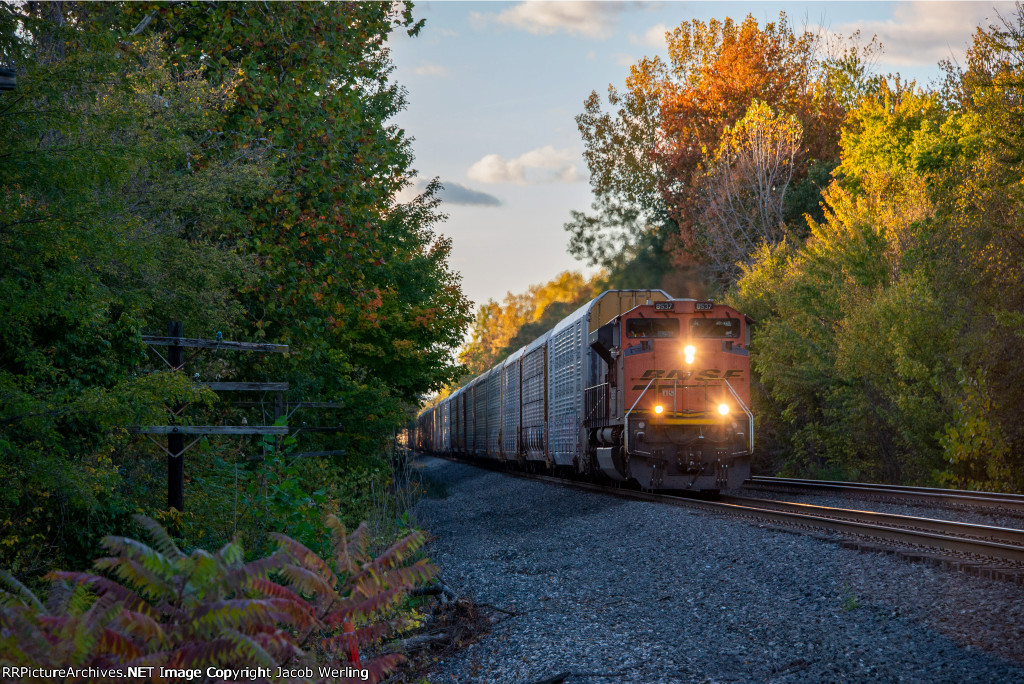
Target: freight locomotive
633	386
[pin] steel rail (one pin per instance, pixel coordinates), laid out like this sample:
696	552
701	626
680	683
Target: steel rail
995	550
949	496
940	540
1006	535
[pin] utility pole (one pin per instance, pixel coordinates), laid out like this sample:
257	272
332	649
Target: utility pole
176	447
175	432
176	441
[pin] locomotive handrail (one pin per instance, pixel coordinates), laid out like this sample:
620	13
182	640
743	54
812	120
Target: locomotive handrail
594	389
750	432
626	420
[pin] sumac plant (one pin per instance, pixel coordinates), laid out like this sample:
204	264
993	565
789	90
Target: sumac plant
157	606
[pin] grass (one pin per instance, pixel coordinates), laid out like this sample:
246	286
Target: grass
850	600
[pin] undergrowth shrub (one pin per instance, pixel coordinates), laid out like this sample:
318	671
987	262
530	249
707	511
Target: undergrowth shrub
156	606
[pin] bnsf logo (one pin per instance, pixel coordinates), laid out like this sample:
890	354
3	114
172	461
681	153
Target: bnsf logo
706	374
683	375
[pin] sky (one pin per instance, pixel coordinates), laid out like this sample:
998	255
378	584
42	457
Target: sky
493	90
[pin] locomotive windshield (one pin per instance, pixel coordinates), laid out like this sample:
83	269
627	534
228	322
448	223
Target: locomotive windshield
652	327
715	327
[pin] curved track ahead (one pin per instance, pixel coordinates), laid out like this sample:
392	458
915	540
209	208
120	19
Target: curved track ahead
997	542
959	497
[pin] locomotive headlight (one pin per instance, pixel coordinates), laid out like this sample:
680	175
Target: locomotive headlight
689	351
659	409
723	409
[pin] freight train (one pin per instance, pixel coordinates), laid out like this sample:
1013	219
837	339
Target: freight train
634	387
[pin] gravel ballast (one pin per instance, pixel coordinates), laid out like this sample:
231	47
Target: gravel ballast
613	590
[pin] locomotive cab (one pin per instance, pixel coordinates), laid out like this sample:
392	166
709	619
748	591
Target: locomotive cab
675	411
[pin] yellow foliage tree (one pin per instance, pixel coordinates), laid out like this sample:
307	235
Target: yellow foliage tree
741	203
500	329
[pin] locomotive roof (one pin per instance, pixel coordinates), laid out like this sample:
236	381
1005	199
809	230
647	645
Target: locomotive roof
584	311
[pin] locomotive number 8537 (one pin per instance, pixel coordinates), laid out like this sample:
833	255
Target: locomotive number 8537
633	386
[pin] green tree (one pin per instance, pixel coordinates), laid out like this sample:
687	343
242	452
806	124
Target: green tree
851	349
358	284
873	347
976	165
108	177
232	167
623	172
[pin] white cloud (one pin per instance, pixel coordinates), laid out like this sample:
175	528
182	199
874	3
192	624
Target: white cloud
653	37
922	33
542	165
428	69
624	60
584	18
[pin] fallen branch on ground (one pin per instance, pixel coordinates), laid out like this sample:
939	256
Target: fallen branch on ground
421	641
437	589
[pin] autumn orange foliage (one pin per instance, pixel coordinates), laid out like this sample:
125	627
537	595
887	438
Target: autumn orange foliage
501	328
716	71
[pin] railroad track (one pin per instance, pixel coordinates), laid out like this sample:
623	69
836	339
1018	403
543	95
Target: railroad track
982	550
1012	503
1002	539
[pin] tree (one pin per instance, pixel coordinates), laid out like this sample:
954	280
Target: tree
358	284
854	359
109	178
623	171
880	337
846	70
976	165
743	199
717	71
650	161
229	166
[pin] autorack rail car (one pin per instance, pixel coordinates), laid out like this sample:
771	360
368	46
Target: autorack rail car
634	386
